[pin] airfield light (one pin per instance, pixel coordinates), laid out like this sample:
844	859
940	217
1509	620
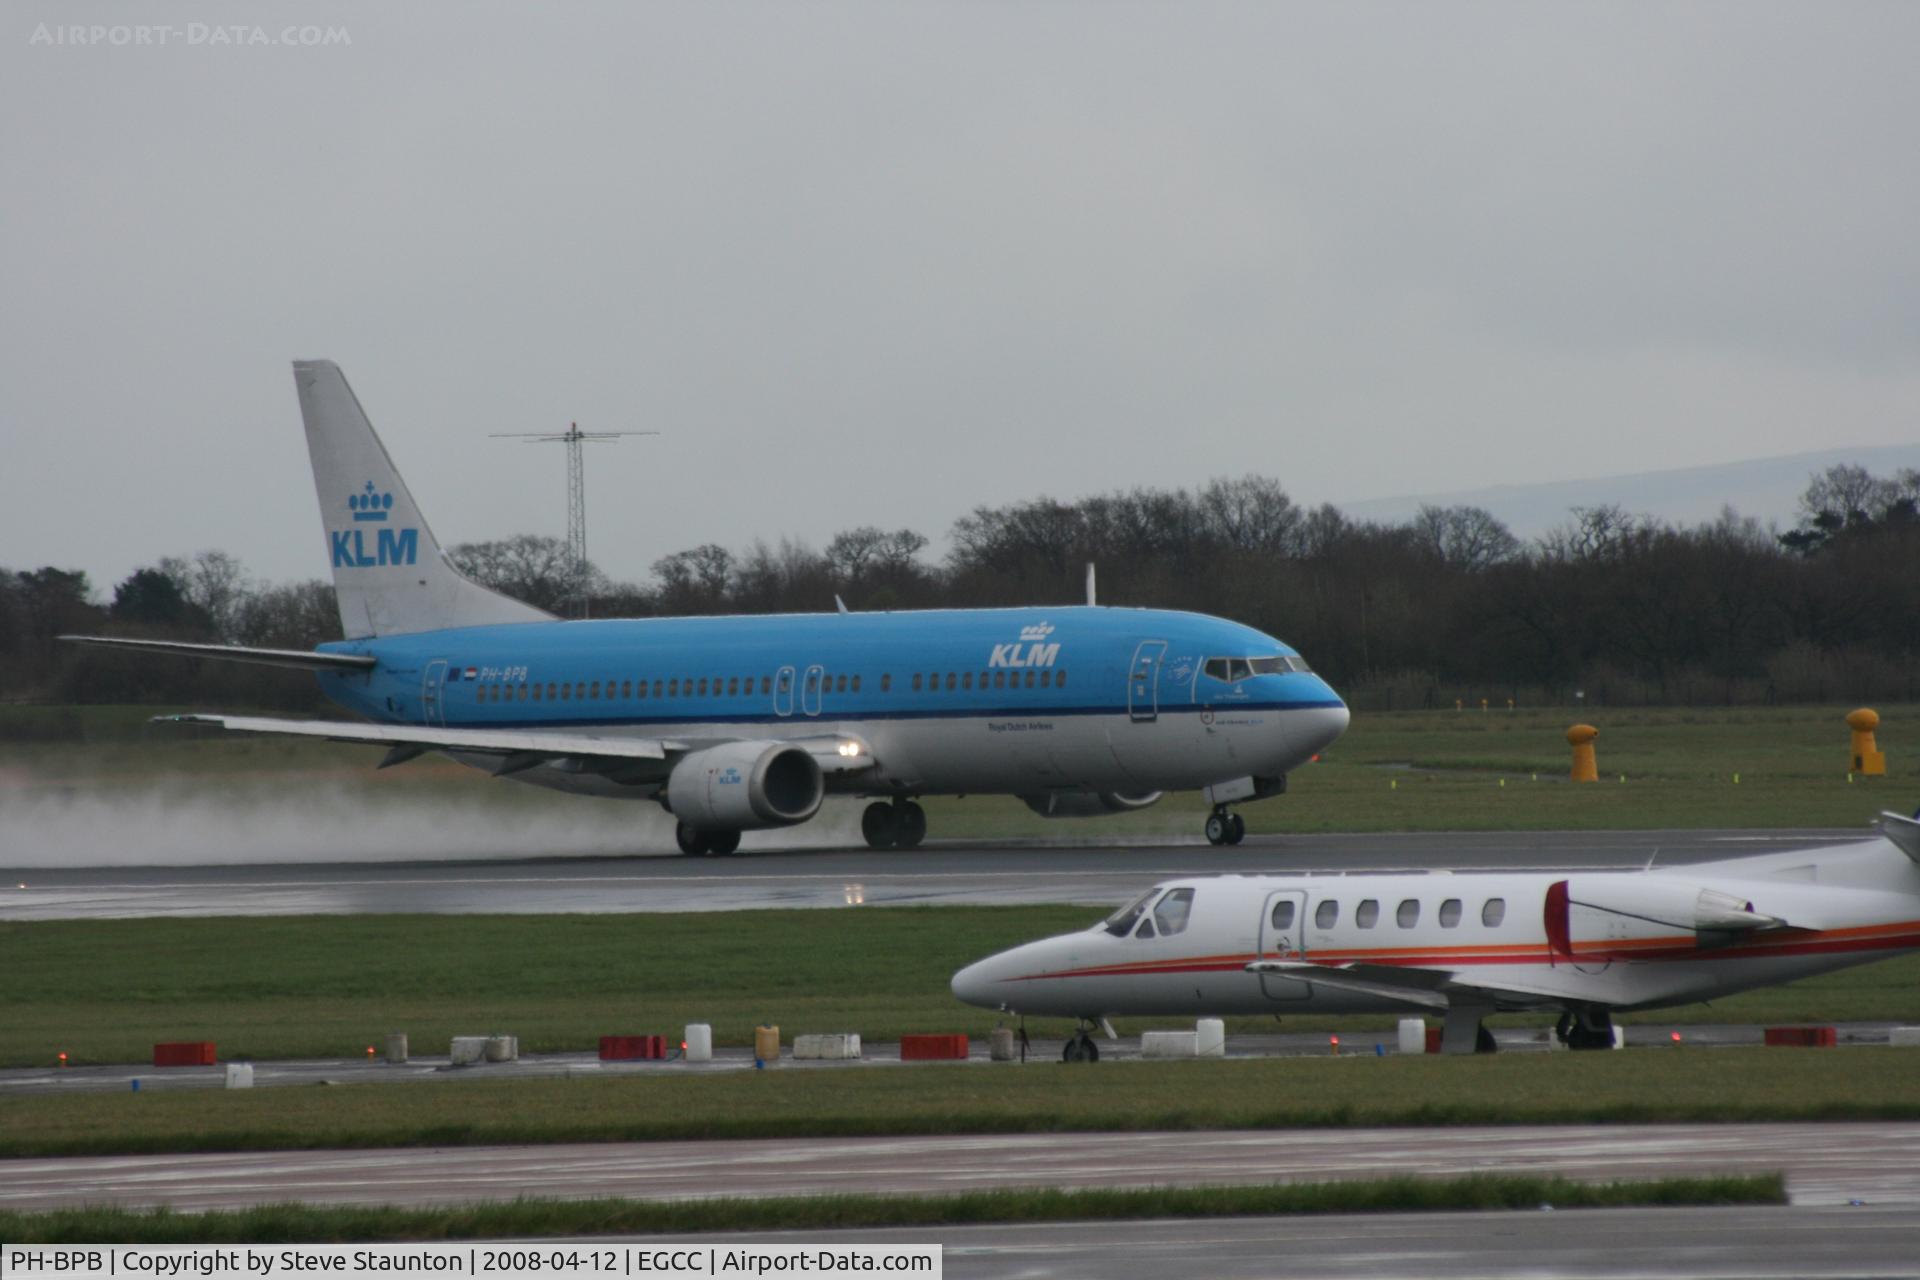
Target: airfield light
1676	1037
63	1057
369	1053
1335	1042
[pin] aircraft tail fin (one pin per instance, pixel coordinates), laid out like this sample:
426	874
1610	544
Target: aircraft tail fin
389	572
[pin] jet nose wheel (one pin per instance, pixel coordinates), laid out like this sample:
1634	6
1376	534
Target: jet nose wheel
1081	1049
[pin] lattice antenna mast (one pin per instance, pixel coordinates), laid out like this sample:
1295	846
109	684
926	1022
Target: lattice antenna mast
573	437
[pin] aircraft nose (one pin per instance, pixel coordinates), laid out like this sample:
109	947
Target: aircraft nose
1315	729
977	984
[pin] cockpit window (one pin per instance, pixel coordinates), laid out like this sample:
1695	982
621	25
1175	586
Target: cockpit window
1146	929
1171	915
1280	664
1227	669
1121	922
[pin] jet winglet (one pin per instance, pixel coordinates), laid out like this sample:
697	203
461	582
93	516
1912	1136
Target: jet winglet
1903	833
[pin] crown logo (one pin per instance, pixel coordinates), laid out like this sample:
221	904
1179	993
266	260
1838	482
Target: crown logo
369	504
1039	631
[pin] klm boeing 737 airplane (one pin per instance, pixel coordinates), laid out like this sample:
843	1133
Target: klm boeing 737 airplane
744	723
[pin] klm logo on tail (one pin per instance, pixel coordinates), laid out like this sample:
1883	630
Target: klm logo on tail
389	546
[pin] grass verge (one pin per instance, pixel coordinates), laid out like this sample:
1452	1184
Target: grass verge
308	1224
1651	1086
328	986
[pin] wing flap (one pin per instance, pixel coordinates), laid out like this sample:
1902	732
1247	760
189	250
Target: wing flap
507	742
302	659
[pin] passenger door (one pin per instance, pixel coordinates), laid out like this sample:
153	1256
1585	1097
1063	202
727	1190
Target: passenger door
1283	936
1143	680
783	692
810	691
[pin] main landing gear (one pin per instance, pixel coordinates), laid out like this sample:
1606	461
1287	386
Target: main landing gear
697	843
1585	1029
1225	827
901	824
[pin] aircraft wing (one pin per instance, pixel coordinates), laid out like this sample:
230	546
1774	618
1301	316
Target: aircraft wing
1425	988
518	749
300	659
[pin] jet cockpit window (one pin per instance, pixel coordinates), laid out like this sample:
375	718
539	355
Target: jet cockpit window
1229	670
1121	922
1171	915
1146	929
1279	665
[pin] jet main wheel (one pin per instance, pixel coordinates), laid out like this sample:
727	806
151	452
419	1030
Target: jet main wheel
913	826
1236	828
693	841
1217	828
722	841
881	825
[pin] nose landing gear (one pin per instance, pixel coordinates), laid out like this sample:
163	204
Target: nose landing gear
1225	827
1080	1048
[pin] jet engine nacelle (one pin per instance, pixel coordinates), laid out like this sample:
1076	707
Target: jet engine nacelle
1087	804
746	786
1628	904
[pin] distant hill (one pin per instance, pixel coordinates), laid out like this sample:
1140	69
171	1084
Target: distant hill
1768	489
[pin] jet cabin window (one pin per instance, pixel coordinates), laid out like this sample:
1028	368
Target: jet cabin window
1283	914
1409	913
1367	914
1171	915
1326	915
1450	913
1494	912
1121	922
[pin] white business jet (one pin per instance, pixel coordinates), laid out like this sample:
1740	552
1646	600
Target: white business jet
1467	945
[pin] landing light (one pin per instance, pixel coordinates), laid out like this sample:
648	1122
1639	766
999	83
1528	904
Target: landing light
846	749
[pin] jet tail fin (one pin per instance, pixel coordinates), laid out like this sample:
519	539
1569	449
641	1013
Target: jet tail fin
389	572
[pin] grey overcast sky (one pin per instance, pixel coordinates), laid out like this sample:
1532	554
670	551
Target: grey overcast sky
879	263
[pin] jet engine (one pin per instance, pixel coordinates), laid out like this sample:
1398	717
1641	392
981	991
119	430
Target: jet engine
1087	804
1623	906
746	786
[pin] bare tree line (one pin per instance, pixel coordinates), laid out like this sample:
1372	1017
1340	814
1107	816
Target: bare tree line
1608	607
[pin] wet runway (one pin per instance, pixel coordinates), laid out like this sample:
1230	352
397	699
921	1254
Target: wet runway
1825	1164
940	873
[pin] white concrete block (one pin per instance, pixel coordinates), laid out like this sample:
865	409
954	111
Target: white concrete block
397	1047
503	1048
699	1042
467	1049
827	1047
1413	1035
1000	1047
1210	1038
1619	1036
1904	1037
239	1075
1169	1044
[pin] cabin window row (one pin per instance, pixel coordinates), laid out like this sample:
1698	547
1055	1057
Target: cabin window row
1366	915
735	686
962	681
